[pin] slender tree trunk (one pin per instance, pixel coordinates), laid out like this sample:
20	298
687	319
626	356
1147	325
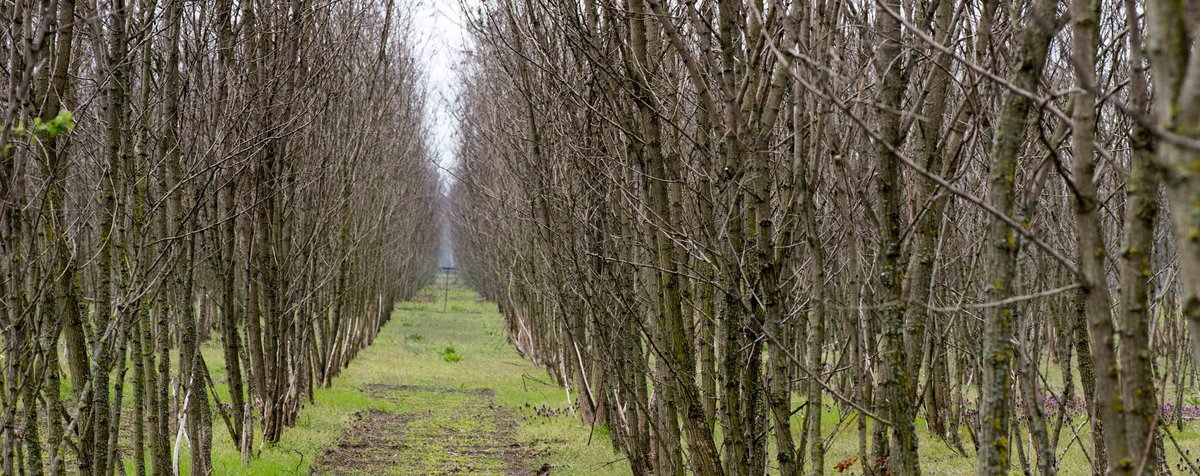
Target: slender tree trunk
897	380
1092	250
996	401
1137	357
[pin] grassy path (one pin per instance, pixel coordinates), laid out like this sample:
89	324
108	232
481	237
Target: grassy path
437	393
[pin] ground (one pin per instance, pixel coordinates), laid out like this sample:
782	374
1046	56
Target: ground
442	392
439	392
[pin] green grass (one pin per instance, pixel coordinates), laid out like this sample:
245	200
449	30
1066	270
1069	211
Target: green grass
465	348
414	349
937	458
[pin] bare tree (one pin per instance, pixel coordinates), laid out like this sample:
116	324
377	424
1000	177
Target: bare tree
699	215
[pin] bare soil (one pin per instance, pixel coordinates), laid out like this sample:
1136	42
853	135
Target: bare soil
434	431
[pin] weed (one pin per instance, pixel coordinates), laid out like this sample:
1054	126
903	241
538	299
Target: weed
451	355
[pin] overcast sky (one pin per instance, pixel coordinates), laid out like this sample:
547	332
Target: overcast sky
440	37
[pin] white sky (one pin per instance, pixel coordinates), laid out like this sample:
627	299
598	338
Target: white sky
440	38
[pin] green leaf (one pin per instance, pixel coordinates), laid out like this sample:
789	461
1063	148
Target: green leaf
63	123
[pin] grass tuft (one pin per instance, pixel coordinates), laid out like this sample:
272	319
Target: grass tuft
451	355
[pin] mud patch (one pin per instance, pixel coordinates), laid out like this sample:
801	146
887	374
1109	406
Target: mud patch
434	431
391	392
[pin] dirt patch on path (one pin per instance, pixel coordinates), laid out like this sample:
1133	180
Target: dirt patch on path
433	431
